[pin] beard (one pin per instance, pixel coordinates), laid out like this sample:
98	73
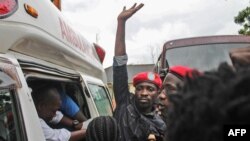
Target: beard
144	104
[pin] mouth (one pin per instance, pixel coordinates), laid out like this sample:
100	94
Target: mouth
143	100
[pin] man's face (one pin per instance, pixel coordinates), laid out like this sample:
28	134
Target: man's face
48	110
145	95
171	83
163	102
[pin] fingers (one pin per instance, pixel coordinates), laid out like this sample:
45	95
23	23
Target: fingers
136	8
133	6
127	13
139	6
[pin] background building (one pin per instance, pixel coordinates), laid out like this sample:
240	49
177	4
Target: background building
132	70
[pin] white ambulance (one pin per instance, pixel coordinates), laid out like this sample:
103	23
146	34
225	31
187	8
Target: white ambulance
38	47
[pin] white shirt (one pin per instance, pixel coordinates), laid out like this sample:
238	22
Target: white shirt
56	119
55	134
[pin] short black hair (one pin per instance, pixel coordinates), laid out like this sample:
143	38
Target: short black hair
46	94
206	103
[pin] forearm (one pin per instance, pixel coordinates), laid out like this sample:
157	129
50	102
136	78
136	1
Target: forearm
66	121
120	46
119	73
120	76
120	84
80	116
69	123
77	135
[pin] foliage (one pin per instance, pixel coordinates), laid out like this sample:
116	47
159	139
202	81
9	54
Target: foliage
243	18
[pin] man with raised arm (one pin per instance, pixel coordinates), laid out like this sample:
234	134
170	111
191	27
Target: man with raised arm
134	113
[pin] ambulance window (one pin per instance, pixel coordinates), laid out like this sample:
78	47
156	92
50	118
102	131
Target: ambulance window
8	124
101	99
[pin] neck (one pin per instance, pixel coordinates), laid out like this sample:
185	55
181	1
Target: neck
143	110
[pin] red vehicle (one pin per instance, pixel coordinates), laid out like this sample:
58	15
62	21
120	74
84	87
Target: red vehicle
202	53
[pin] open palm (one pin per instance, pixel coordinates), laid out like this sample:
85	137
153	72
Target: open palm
125	14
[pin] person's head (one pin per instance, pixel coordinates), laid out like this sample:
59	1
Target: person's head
207	103
175	78
103	128
147	86
162	104
172	82
47	101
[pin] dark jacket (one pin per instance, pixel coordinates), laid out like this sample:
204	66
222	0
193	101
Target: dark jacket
134	126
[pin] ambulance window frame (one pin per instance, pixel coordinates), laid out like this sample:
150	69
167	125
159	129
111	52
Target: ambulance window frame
106	93
60	79
18	117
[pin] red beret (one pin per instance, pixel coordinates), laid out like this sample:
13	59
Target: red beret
181	71
147	77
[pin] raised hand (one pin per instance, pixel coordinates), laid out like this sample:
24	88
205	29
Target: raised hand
127	13
120	46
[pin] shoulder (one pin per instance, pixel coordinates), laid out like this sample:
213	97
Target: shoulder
158	121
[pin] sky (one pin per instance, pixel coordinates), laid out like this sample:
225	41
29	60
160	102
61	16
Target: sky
157	22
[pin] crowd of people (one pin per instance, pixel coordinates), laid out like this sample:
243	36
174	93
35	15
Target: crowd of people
186	105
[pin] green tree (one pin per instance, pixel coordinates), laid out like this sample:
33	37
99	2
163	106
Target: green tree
243	18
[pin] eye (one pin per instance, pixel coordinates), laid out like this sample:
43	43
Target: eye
138	88
151	89
170	88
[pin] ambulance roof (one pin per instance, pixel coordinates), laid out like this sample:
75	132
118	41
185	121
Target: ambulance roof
48	37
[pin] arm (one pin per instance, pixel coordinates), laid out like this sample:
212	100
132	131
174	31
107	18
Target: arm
77	135
70	108
120	47
65	121
69	123
80	116
61	134
120	76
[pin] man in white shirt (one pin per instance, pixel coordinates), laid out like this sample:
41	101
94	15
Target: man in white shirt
55	134
47	101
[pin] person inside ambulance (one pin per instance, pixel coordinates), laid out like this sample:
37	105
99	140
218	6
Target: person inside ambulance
68	105
47	101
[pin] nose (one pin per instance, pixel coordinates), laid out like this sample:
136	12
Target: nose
162	96
144	92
